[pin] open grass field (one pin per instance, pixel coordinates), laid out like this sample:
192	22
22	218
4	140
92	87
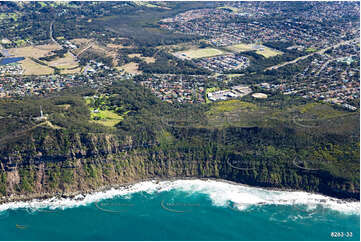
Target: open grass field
236	113
198	53
33	68
70	71
90	46
311	117
267	52
64	63
80	42
231	105
178	47
319	111
131	68
107	118
260	49
33	51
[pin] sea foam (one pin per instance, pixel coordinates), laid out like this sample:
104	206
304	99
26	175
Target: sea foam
221	193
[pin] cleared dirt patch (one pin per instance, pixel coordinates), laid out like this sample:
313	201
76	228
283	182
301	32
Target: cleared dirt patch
131	68
118	46
80	42
146	59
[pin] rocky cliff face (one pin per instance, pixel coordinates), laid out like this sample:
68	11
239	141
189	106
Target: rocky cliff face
64	163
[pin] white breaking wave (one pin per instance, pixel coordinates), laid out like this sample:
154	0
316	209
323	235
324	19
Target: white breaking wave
221	193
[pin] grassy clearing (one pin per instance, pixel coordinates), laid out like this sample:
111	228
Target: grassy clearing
235	113
198	53
267	52
165	138
131	68
146	59
80	41
319	110
103	115
260	49
178	47
241	47
231	105
67	62
34	51
106	118
64	106
71	71
32	68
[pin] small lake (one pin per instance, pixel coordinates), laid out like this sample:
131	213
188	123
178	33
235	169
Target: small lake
10	60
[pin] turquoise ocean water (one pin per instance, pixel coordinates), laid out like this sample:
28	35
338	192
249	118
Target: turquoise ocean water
183	210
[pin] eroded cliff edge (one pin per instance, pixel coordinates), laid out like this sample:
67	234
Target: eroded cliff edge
62	163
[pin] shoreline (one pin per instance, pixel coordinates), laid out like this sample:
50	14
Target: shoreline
71	195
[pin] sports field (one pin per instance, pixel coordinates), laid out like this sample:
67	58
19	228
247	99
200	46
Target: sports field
260	49
198	53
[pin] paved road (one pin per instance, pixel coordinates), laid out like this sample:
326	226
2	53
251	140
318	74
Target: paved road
306	56
81	52
51	34
56	42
